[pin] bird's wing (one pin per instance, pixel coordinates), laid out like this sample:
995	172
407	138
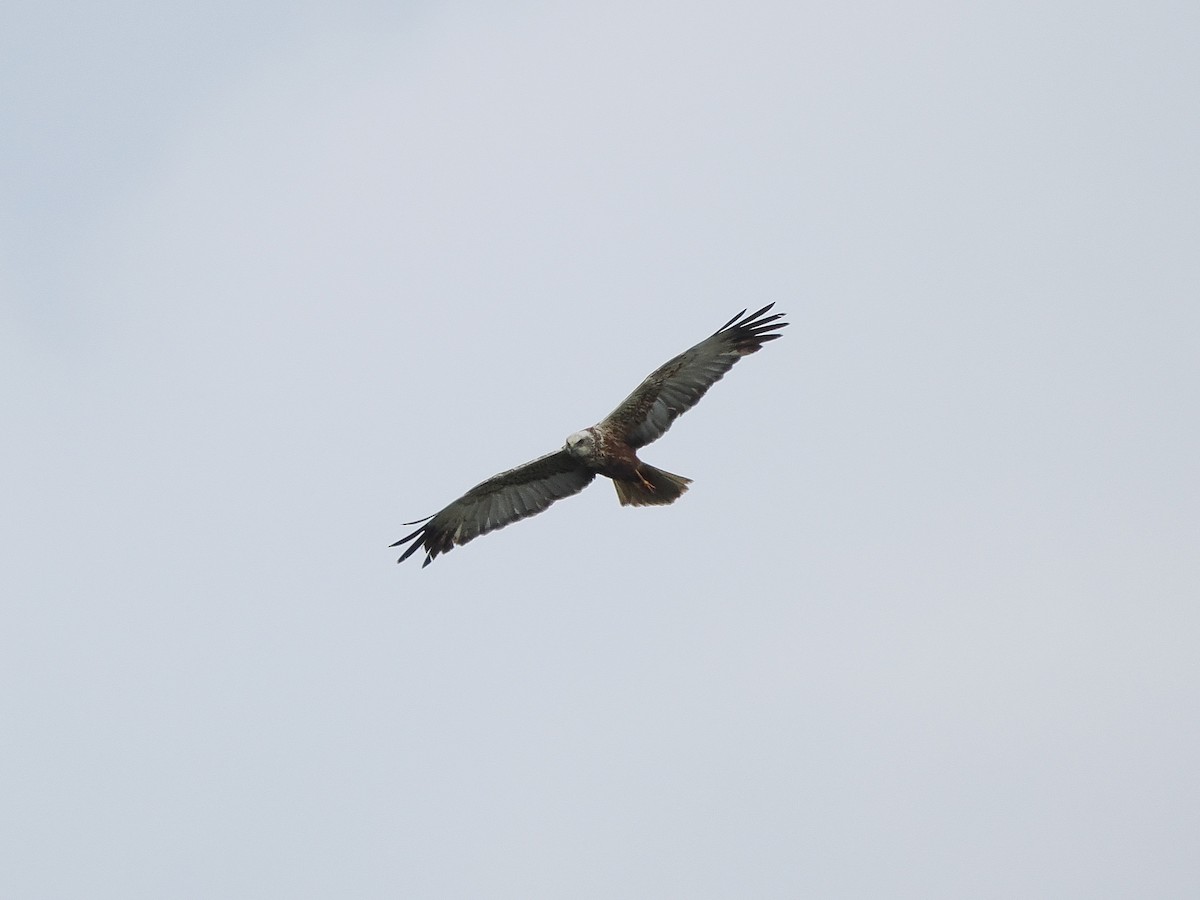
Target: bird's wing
504	498
674	388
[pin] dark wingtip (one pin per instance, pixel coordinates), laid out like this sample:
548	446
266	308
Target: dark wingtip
730	322
419	537
417	522
749	332
411	549
753	321
753	316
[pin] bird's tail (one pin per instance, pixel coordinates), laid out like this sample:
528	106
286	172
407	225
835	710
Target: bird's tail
660	488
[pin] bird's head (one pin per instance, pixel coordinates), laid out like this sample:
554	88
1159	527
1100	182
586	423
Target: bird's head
581	444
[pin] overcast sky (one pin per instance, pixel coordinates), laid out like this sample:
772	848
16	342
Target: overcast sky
277	278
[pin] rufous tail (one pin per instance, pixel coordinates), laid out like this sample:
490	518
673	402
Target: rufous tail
654	488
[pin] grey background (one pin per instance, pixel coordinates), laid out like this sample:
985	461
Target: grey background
279	277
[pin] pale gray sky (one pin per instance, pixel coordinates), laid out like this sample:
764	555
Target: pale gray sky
278	278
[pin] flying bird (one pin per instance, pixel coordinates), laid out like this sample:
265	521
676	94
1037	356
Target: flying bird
607	448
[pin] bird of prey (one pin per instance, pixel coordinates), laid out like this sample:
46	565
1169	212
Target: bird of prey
607	448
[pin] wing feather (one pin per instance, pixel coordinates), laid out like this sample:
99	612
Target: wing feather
677	386
499	501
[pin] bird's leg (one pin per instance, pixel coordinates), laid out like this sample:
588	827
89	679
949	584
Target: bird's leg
646	484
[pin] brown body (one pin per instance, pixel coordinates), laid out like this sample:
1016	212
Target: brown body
637	483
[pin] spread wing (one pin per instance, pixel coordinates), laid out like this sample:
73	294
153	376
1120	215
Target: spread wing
674	388
504	498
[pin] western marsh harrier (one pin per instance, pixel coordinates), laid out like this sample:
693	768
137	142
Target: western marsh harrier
607	448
